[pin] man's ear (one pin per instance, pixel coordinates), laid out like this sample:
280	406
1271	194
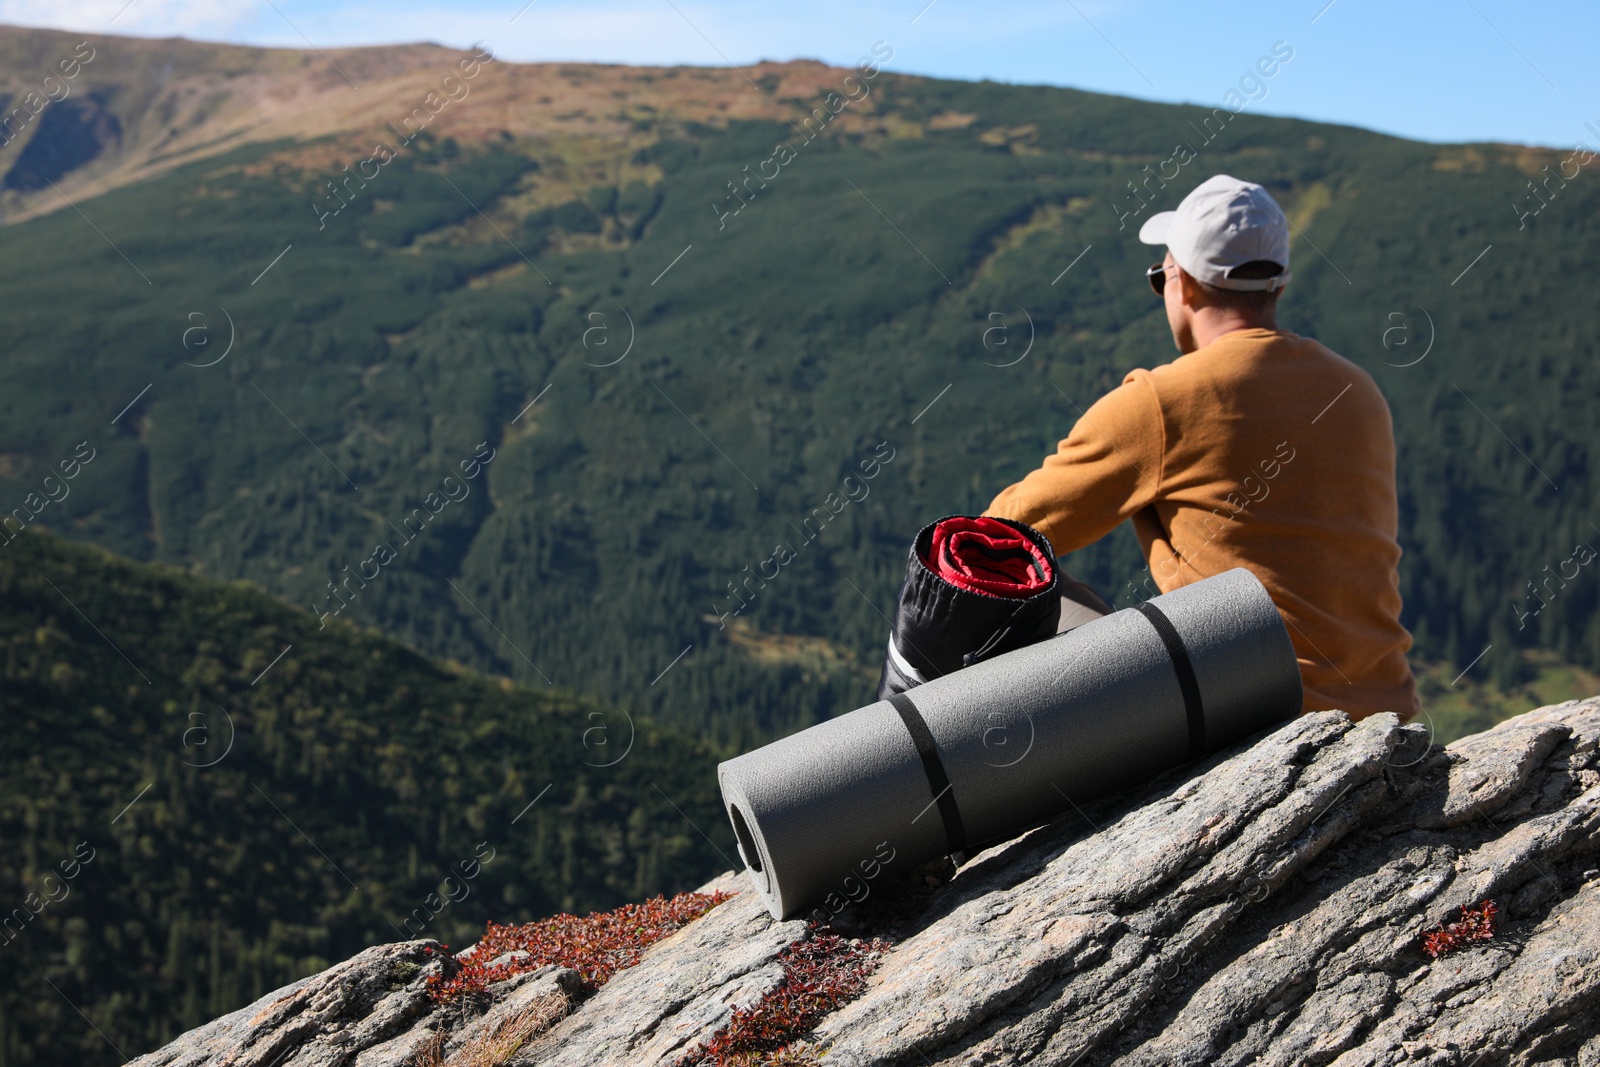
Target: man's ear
1189	289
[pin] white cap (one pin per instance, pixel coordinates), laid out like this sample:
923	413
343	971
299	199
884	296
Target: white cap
1224	223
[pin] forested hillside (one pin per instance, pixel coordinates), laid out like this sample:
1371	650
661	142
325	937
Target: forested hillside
629	385
680	312
204	796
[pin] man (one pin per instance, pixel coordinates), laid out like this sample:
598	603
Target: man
1256	448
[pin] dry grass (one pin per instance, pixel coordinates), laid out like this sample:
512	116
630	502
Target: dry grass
1456	704
495	1047
589	119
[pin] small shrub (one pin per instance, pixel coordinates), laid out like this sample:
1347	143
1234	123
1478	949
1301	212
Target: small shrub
1477	923
596	946
820	972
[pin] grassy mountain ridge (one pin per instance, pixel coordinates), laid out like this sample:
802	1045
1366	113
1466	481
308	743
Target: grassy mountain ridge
158	105
207	795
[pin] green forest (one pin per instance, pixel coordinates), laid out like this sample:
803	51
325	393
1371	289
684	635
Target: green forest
207	796
771	352
558	448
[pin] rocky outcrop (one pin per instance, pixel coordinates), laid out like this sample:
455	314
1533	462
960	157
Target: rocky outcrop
1264	907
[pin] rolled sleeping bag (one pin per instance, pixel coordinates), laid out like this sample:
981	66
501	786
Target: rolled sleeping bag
976	587
1010	742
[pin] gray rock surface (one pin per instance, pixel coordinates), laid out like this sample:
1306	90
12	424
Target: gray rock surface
1264	907
373	1001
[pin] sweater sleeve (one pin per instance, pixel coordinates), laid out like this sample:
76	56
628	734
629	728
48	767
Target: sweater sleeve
1108	467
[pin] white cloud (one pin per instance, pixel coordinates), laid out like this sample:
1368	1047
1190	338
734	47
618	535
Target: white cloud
698	32
213	19
701	32
650	32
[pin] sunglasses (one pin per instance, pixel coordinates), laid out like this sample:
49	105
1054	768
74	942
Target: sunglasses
1157	277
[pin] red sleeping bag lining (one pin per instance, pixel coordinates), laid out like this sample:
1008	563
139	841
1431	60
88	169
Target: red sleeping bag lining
984	555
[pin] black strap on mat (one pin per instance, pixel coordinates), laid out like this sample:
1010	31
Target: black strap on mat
1187	684
943	794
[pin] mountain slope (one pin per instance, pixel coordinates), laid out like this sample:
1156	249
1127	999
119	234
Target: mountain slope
159	104
206	795
687	381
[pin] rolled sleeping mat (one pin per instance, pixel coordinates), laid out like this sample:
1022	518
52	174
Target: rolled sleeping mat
976	587
1008	743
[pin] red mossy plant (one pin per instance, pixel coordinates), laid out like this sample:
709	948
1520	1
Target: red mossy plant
596	946
820	972
1477	923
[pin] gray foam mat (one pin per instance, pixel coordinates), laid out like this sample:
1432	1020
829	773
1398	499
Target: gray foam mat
825	813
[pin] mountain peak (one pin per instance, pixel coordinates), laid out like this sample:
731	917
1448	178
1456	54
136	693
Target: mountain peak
134	108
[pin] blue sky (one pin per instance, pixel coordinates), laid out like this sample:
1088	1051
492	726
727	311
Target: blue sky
1439	70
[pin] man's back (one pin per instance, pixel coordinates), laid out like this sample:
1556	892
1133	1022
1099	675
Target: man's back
1263	450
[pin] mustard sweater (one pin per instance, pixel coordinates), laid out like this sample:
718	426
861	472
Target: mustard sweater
1263	450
